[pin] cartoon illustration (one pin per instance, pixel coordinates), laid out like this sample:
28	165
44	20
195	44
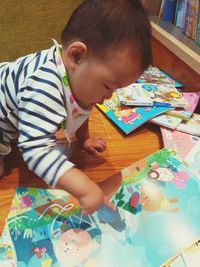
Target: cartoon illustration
145	196
153	200
167	175
75	247
40	258
126	114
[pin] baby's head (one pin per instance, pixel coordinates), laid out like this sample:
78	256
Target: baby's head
106	45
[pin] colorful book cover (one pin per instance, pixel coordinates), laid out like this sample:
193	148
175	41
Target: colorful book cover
169	10
185	18
197	38
192	100
148	94
162	7
161	193
178	142
128	118
184	146
192	18
135	94
191	126
157	76
156	218
166	120
176	11
180	11
193	159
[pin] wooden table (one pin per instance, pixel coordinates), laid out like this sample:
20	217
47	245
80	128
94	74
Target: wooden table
121	151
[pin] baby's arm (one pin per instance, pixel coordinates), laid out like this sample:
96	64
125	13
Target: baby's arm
88	193
90	144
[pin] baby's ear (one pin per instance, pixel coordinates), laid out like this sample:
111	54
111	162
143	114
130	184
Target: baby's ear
75	54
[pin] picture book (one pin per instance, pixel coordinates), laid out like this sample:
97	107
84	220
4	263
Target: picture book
188	258
135	95
184	146
156	218
156	76
193	159
128	118
162	7
192	126
161	193
166	120
169	10
178	142
180	13
192	100
147	94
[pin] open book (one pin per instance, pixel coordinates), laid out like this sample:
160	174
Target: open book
156	217
145	94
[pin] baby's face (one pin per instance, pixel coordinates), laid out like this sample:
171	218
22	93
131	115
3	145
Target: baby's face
94	79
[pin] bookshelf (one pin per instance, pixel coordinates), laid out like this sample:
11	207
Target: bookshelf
172	38
182	46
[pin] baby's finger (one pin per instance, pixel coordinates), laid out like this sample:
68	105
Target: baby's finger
99	148
109	204
101	142
92	150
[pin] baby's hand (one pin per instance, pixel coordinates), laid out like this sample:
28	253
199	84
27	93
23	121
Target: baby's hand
94	145
89	194
93	200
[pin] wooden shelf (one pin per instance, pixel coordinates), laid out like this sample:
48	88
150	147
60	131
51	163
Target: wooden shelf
183	47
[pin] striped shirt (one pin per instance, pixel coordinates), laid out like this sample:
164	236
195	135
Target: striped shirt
34	101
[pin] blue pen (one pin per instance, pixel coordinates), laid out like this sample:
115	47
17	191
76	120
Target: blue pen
161	104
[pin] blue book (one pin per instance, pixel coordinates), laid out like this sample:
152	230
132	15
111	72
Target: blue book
169	10
128	118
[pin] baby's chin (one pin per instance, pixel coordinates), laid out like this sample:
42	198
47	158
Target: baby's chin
86	106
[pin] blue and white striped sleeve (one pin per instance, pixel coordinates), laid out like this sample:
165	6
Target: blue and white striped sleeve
41	110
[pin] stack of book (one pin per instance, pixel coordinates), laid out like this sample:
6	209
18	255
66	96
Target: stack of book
158	98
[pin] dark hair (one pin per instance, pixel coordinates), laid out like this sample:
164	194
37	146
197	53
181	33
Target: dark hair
110	23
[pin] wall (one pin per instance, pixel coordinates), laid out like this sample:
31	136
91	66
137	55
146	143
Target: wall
28	26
